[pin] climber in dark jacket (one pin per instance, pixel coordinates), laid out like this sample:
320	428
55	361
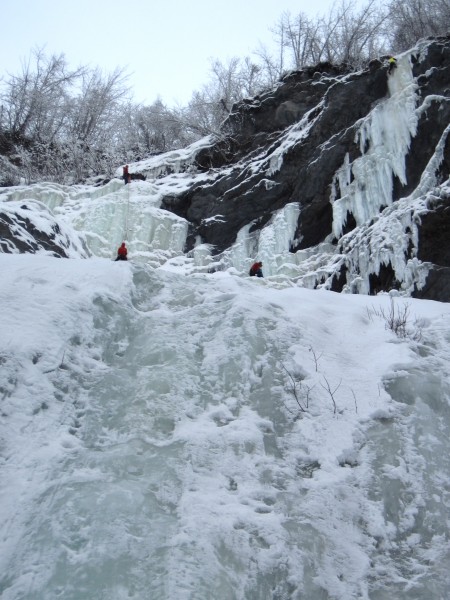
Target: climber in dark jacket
255	270
122	252
126	175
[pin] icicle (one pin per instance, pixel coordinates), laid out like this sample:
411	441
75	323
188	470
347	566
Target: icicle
391	240
365	186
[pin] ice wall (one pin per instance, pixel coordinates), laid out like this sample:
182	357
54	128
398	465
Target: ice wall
107	215
385	243
270	245
50	194
393	238
144	227
364	186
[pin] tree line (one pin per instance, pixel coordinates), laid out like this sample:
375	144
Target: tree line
64	125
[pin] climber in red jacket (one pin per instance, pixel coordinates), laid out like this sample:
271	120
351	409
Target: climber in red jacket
122	252
255	270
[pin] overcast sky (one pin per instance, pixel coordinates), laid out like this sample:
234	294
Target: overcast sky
165	45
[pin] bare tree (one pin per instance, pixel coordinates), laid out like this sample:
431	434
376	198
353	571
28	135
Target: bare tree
360	35
65	124
331	392
148	130
300	391
300	36
204	113
351	34
416	19
271	67
251	78
347	33
228	83
279	33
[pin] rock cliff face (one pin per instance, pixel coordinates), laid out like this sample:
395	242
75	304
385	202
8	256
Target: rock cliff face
350	170
346	147
29	227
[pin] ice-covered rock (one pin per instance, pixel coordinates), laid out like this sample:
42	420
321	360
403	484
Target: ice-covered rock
345	147
334	178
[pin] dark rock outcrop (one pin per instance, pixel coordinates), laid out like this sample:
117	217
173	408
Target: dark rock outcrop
365	156
20	232
434	247
434	233
287	145
137	177
332	103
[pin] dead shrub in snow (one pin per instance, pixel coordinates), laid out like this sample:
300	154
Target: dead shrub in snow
397	319
299	390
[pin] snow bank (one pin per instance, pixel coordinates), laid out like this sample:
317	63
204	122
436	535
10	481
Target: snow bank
210	436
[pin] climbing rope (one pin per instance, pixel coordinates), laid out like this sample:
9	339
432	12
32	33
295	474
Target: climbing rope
127	212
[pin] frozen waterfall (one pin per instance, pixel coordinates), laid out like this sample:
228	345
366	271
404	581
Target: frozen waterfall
364	186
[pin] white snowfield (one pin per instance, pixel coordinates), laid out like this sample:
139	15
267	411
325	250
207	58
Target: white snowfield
207	436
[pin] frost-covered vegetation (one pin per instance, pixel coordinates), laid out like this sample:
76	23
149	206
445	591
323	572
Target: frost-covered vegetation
65	125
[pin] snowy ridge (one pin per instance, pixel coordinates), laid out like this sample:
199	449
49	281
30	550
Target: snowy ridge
173	162
103	217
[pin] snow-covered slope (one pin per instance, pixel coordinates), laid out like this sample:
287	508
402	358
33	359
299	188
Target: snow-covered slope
166	436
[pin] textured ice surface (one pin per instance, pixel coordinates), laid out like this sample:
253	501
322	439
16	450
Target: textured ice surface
153	444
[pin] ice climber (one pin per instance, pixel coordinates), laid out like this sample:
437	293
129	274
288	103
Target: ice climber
126	175
255	270
392	64
122	252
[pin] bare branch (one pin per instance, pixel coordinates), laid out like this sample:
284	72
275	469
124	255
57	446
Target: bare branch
294	387
316	357
331	392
